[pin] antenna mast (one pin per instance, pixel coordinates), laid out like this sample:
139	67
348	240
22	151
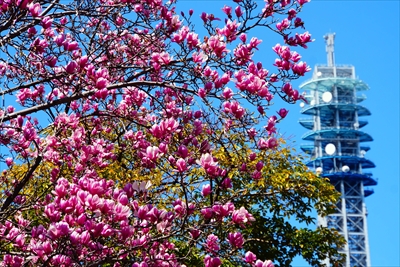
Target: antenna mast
329	40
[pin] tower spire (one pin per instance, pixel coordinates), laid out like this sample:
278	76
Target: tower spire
338	150
329	40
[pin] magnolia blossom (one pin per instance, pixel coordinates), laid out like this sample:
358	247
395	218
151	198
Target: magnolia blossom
181	165
212	262
266	263
212	243
283	112
242	216
206	190
208	163
236	239
250	257
133	106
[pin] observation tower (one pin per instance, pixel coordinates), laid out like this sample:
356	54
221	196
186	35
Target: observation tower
338	150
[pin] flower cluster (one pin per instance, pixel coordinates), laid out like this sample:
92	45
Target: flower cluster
118	150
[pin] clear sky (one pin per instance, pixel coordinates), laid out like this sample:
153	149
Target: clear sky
367	36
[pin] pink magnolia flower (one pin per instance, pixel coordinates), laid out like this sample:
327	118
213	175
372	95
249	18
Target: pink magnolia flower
282	64
152	152
212	243
59	39
202	93
204	17
34	9
236	240
262	144
39	45
101	83
271	125
283	112
295	57
250	257
226	183
229	31
300	68
227	93
259	166
256	175
243	37
284	3
238	11
222	211
9	161
198	114
17	261
252	132
64	20
295	95
243	168
181	165
71	46
272	143
283	25
207	162
234	108
192	40
195	233
242	54
22	4
71	67
266	263
287	89
217	45
206	190
298	23
260	109
51	61
242	217
46	22
207	213
32	31
254	42
302	2
182	151
212	262
141	186
227	10
292	14
302	39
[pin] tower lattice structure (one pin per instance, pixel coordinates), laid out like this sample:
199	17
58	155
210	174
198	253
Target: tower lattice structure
338	149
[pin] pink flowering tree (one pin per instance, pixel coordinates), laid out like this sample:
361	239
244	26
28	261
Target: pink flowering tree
132	136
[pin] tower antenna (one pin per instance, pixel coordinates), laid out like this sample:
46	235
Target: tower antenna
330	41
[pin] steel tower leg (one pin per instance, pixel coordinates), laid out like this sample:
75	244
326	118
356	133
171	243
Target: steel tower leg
350	220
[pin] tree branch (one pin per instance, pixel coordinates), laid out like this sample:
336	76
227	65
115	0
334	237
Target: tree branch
21	184
65	100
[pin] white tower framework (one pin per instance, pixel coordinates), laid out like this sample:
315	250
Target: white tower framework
338	149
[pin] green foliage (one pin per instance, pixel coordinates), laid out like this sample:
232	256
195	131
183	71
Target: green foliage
280	201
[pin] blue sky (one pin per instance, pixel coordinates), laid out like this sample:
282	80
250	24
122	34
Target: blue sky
367	36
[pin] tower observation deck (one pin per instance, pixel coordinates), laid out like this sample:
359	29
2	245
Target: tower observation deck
338	150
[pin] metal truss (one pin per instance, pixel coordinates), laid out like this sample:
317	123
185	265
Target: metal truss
350	220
